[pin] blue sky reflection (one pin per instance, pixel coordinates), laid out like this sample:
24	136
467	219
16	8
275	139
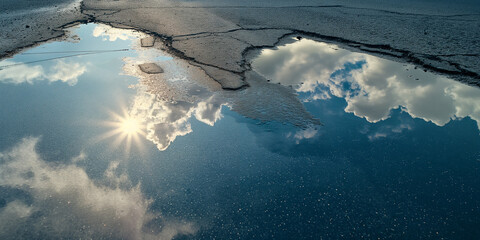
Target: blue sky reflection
250	164
372	87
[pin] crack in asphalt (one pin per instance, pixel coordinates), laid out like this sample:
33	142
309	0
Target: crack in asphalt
222	7
382	49
408	56
298	6
412	14
229	31
388	50
223	87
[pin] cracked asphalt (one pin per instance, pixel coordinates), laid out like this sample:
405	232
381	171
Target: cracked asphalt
218	36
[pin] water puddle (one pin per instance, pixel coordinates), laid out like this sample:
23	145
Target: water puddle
336	144
371	87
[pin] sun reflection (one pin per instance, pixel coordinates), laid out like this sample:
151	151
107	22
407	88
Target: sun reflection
124	129
130	126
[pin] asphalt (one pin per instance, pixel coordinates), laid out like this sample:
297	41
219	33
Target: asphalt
218	36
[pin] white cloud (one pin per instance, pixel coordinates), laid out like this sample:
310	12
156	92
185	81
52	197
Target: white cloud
21	73
376	136
305	134
60	71
66	72
13	215
113	34
385	85
401	127
303	64
167	102
165	121
80	157
209	111
373	90
64	202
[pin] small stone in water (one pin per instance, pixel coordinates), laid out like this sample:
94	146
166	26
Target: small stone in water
150	68
147	42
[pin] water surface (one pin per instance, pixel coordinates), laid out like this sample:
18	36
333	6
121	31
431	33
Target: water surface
91	147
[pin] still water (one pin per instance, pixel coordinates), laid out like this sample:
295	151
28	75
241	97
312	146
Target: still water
325	144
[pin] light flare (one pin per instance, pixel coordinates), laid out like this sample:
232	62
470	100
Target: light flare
130	126
126	129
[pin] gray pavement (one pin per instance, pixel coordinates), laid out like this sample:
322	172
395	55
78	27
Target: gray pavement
439	36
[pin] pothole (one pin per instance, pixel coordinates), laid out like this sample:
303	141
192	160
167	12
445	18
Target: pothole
94	146
372	87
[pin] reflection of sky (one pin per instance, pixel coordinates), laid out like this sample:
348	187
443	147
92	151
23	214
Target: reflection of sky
221	175
66	199
61	71
64	101
113	34
372	87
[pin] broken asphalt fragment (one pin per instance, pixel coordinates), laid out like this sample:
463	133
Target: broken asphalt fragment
147	42
228	80
150	68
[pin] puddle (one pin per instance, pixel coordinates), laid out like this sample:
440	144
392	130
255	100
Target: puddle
94	147
372	87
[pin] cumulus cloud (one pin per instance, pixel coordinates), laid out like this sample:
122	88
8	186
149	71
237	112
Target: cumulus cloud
113	34
66	72
373	88
60	71
62	201
21	73
385	85
305	134
80	157
165	120
401	127
304	64
167	103
377	135
209	111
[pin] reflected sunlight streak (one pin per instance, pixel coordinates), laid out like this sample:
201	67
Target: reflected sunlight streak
125	128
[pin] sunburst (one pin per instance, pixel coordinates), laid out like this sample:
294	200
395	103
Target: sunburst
125	129
130	126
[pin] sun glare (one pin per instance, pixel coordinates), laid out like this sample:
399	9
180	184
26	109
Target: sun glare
130	126
124	129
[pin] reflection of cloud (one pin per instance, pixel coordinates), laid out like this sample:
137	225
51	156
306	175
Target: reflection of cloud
209	111
384	130
64	202
113	34
21	73
165	121
384	85
82	156
304	64
166	102
67	73
61	71
305	134
401	127
371	86
376	136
